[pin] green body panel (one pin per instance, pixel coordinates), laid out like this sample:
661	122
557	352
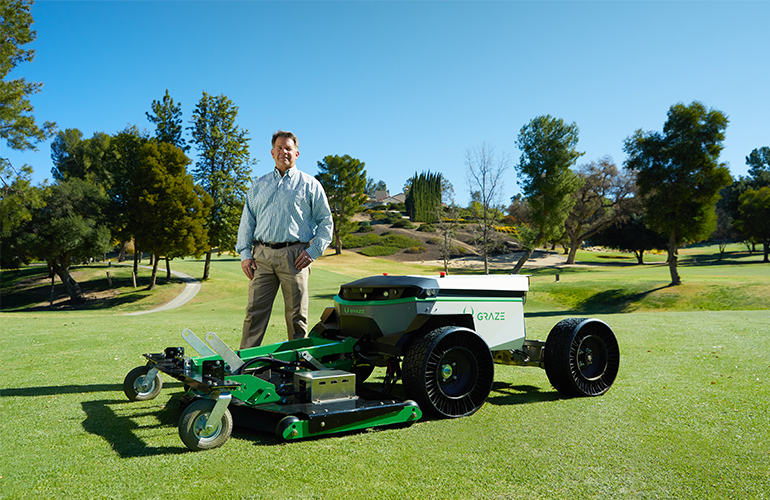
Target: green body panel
301	429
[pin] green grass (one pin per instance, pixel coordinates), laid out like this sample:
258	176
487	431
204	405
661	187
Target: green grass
686	418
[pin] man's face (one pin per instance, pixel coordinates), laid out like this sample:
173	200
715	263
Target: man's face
284	153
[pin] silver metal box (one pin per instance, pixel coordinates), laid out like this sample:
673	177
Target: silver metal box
326	385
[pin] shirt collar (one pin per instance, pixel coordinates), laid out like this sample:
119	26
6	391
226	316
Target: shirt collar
291	173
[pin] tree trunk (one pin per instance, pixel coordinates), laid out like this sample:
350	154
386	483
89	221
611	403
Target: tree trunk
524	258
122	252
766	244
207	265
168	269
73	289
672	260
154	259
136	262
337	241
528	253
572	250
485	249
639	256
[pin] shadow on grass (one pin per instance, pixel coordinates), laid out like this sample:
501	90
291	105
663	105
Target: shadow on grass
100	293
503	393
613	301
115	422
114	419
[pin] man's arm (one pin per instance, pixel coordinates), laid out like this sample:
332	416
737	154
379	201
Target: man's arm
246	236
322	217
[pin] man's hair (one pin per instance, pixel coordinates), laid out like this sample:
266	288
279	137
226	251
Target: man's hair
287	135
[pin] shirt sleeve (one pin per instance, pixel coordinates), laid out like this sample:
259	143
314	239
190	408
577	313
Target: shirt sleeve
246	228
322	217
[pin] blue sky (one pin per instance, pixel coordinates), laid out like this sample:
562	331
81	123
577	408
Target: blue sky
405	86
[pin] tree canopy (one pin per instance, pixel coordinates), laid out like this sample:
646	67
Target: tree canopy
167	117
70	227
424	196
599	202
175	209
222	168
679	175
18	127
754	217
549	149
344	181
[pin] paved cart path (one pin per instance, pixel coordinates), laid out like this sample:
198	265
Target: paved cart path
191	289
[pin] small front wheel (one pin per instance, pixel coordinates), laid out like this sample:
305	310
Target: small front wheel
135	388
196	431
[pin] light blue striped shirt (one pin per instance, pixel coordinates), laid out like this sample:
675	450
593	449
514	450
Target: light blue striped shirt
289	208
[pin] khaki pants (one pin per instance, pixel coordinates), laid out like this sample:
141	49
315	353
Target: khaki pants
275	267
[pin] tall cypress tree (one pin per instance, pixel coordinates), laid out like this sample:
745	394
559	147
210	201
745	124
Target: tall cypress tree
423	197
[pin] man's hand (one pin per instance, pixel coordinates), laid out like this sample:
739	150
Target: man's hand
248	267
303	260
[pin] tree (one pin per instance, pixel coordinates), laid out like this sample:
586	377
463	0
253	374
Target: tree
167	117
630	235
423	197
754	220
18	202
70	228
177	207
448	220
125	216
758	161
484	172
679	175
599	202
726	232
372	187
17	124
222	169
344	180
729	203
88	159
548	147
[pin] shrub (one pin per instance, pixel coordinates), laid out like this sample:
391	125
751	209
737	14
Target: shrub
364	227
379	216
351	241
378	251
417	249
393	217
404	223
433	241
427	228
400	241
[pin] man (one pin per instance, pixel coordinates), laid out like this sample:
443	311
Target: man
286	225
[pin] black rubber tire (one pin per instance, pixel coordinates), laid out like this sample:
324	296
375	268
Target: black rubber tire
582	357
191	426
132	382
283	425
448	372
